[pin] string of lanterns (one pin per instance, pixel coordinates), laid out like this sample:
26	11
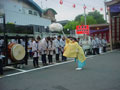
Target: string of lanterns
84	7
74	6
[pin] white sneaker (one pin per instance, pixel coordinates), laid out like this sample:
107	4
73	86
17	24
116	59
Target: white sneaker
78	68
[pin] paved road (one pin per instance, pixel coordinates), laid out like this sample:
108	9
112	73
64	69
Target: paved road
101	73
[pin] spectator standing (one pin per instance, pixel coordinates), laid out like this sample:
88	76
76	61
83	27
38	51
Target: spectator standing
35	53
44	49
94	46
57	48
50	51
98	44
104	42
62	42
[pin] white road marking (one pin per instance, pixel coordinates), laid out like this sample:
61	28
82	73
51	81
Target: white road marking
56	64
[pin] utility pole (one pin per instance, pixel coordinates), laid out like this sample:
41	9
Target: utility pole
105	10
85	13
85	18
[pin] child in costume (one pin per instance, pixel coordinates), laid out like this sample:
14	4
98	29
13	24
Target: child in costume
73	50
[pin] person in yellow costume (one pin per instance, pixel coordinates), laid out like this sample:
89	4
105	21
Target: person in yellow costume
74	50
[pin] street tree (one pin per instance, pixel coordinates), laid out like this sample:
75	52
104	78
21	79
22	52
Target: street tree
97	16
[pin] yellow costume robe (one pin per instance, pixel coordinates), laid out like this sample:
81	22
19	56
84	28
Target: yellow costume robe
73	50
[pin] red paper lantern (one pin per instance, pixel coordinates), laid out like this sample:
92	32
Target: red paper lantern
101	9
84	7
93	9
74	5
61	2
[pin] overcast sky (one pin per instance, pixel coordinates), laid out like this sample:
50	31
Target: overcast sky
66	11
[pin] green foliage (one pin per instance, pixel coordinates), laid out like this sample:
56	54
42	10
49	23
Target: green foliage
71	25
97	16
78	18
91	18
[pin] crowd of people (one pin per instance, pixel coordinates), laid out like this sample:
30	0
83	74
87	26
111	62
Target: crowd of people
47	47
93	45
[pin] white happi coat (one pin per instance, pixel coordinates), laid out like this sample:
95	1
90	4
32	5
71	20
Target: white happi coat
57	46
98	42
62	44
104	42
43	46
94	44
51	48
35	49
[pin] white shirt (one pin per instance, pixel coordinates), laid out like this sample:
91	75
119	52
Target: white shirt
62	43
104	42
43	46
50	48
35	49
94	44
57	46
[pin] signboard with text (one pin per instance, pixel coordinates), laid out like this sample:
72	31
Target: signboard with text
82	29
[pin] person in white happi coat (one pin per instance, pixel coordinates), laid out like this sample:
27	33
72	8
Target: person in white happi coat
104	43
50	51
98	44
35	52
94	46
57	48
44	49
62	44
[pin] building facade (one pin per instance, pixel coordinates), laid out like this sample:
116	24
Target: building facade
114	19
49	13
101	30
24	12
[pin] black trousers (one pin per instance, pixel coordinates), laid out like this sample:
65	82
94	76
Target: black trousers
97	50
104	49
35	62
63	57
50	58
1	67
44	62
57	57
94	51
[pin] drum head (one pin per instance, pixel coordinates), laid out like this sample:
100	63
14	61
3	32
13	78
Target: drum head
18	52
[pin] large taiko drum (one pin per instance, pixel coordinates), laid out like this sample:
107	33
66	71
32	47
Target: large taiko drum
16	51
